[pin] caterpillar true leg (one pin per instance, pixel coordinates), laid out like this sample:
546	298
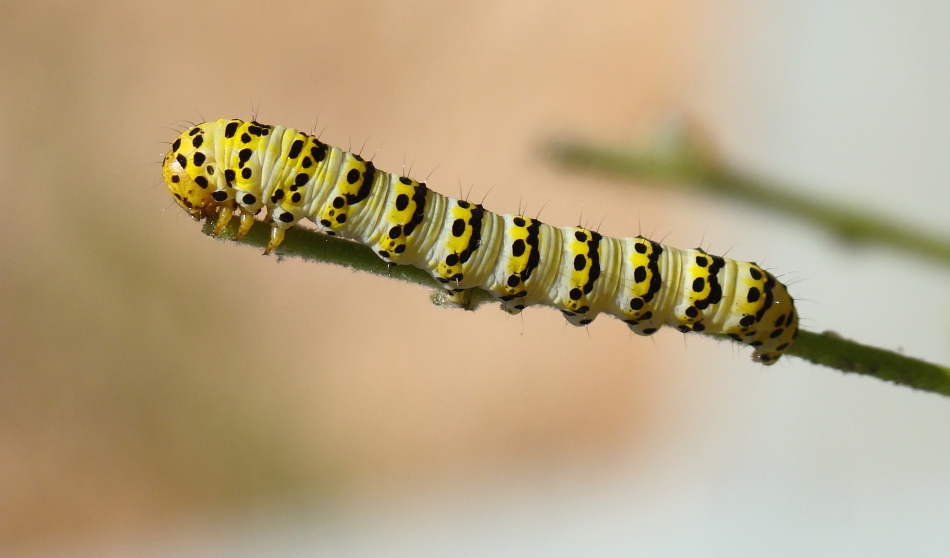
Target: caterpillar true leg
218	167
224	217
247	221
276	237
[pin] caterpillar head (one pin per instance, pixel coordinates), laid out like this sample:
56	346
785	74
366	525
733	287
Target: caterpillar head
190	192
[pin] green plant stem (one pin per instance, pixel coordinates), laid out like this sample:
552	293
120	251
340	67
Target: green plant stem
826	349
312	246
834	351
684	165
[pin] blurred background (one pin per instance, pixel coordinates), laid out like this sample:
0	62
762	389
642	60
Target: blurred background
164	394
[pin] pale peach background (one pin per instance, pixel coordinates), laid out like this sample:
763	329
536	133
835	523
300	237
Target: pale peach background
154	382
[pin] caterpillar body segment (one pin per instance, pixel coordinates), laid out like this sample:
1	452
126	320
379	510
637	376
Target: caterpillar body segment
230	167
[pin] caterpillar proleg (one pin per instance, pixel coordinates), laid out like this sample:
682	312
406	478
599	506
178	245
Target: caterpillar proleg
228	167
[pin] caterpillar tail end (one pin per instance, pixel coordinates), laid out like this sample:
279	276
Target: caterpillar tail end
769	353
276	237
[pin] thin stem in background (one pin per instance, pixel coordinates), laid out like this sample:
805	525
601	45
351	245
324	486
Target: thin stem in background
826	349
681	162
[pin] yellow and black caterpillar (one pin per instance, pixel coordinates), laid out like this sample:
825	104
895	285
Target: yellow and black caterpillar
229	165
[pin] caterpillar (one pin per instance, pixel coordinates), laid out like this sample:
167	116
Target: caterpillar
230	167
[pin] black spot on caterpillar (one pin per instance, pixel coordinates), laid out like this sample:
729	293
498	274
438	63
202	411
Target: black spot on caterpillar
519	260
